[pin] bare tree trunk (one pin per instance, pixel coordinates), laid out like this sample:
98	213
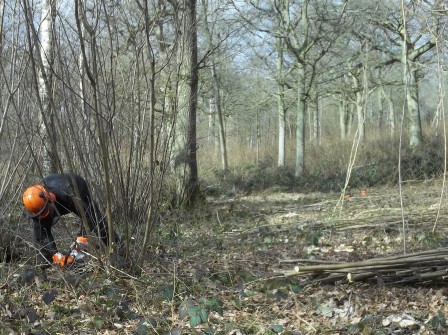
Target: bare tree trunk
184	147
391	115
300	47
380	109
411	88
350	117
2	110
257	137
408	59
300	121
343	117
360	108
391	110
2	15
46	83
211	122
280	103
84	108
216	91
221	132
215	135
313	111
281	135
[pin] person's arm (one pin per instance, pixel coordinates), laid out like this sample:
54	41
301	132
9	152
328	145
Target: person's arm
97	222
95	218
44	241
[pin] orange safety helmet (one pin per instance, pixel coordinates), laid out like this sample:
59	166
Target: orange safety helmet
35	199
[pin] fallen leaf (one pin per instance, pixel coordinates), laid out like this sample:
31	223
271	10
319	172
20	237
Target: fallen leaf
49	296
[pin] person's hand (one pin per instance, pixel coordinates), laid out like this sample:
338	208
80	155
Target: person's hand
81	243
63	258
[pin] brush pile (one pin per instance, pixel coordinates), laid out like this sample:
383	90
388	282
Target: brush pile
419	267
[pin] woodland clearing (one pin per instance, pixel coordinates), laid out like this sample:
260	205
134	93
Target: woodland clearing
219	270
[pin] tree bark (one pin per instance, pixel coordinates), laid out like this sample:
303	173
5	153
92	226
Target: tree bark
411	52
313	113
300	121
411	87
280	103
390	110
380	109
343	117
184	147
359	107
46	83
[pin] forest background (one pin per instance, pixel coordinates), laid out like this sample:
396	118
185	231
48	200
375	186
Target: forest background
162	104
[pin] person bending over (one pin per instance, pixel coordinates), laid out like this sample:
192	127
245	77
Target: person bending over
54	197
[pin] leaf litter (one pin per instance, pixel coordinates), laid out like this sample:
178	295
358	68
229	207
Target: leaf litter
220	273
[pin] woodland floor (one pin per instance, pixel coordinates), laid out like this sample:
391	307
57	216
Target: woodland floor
218	271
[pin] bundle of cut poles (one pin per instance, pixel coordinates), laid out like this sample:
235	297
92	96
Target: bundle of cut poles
426	266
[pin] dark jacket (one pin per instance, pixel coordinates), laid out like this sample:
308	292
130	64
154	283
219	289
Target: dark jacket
62	187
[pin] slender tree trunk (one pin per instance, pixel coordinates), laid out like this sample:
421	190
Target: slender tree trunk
216	91
390	110
84	108
380	109
211	122
281	134
313	111
350	116
222	135
215	133
257	137
300	121
280	104
343	117
391	115
360	108
411	87
3	111
47	56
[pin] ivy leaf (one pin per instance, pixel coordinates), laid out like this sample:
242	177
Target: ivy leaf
195	320
142	329
145	325
193	310
277	328
267	240
295	288
167	292
186	309
325	310
131	315
213	304
204	315
183	312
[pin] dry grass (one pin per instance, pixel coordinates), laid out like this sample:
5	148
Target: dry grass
326	164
